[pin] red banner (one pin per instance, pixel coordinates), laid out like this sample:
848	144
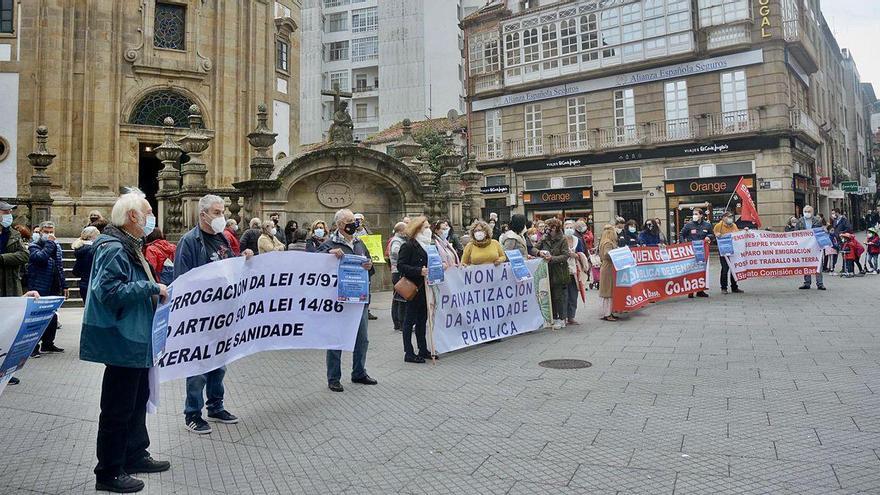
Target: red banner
749	212
660	273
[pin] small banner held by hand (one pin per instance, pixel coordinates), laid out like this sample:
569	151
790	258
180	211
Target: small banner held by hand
725	245
622	258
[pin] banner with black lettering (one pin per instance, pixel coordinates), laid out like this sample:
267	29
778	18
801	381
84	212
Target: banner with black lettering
230	309
480	303
763	254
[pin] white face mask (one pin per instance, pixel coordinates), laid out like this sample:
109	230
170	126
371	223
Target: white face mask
569	231
696	218
424	236
444	233
44	237
479	235
581	229
6	220
632	230
534	237
235	228
728	221
273	231
808	215
218	224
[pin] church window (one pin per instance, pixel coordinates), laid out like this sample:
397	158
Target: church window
157	105
169	30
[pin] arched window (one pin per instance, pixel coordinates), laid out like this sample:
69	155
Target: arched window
157	105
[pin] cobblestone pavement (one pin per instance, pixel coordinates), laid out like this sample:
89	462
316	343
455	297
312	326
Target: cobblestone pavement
769	392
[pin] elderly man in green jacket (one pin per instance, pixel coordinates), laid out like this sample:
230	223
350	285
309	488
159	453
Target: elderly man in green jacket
13	254
117	332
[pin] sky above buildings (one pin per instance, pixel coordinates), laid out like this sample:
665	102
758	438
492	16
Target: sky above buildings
856	24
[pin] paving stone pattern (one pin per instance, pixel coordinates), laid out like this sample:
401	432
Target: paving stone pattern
769	392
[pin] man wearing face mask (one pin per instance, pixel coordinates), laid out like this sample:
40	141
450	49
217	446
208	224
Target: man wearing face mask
279	232
46	276
810	222
340	243
231	234
724	227
697	230
13	254
204	244
619	226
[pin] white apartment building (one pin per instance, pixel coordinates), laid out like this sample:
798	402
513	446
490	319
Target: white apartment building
412	46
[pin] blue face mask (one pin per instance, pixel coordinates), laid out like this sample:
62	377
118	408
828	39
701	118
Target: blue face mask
6	220
35	237
319	232
149	225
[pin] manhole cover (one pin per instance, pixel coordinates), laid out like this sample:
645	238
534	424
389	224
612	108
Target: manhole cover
565	364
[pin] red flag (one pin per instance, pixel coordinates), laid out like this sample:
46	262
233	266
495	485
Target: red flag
749	212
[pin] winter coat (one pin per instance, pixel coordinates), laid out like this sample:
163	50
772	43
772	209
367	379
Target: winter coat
394	245
46	268
410	261
13	258
234	244
873	243
156	253
82	267
312	244
696	231
852	249
249	240
812	223
191	252
648	238
606	271
512	241
841	225
558	249
118	318
630	239
268	243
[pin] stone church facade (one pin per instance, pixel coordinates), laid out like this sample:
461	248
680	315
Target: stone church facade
103	75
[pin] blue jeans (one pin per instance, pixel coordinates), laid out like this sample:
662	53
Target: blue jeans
872	262
358	358
808	279
211	383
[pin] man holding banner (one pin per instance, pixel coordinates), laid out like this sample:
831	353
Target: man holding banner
117	332
809	222
697	230
340	243
724	227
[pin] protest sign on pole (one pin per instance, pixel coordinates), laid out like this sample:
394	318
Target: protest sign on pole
354	280
22	323
480	303
518	265
759	253
233	308
373	242
660	273
435	266
622	258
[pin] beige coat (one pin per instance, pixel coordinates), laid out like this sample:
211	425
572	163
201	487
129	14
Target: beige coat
268	243
607	243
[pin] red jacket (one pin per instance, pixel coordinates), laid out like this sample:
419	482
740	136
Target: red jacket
233	242
853	249
157	252
873	244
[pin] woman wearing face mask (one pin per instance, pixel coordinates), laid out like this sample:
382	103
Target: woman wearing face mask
554	249
631	234
291	233
578	268
650	234
440	233
513	238
82	251
792	224
724	227
607	243
317	236
268	241
482	249
412	263
585	234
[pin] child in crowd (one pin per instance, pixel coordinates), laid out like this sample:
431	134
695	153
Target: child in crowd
852	251
873	243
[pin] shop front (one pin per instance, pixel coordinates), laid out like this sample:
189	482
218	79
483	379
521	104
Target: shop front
564	204
712	195
801	194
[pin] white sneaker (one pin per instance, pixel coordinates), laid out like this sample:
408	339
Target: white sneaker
557	324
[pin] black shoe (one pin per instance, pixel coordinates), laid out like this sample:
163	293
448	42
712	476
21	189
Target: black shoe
724	291
224	417
364	380
804	287
413	359
738	291
14	381
147	465
702	294
197	425
427	356
371	316
335	386
120	484
36	352
690	296
51	348
821	287
397	328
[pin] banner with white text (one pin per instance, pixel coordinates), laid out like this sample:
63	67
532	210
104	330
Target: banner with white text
481	303
22	323
661	272
229	309
760	254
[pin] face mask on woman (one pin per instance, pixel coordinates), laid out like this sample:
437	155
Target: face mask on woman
534	237
444	233
319	232
649	226
35	237
569	232
728	221
273	231
808	215
479	235
632	230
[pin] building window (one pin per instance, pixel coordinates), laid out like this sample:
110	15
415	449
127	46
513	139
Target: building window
627	176
624	116
735	168
337	22
493	133
363	49
569	37
734	96
169	29
677	117
334	3
7	9
549	46
496	180
360	82
339	77
536	184
364	20
511	46
578	181
282	55
717	12
534	130
484	57
530	46
577	120
338	51
360	112
589	38
156	106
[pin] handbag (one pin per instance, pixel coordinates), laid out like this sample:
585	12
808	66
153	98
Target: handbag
406	288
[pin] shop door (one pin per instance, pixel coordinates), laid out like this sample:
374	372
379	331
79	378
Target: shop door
631	209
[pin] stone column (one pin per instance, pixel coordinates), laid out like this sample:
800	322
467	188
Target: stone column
41	183
472	200
194	143
169	216
450	183
262	139
407	148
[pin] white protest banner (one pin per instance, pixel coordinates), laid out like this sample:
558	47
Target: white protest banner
229	309
759	254
22	323
480	303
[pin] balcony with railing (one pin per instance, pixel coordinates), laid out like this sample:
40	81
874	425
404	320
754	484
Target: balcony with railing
571	142
666	131
801	121
620	136
485	152
365	91
800	33
735	122
485	82
525	147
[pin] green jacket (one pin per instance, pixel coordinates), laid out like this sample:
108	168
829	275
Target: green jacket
118	319
11	261
558	248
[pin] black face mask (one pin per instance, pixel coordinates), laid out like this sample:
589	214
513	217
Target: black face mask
93	219
350	228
